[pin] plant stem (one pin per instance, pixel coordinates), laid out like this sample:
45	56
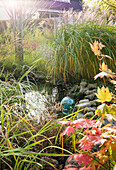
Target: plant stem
104	81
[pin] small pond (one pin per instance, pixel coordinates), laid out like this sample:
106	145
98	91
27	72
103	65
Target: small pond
46	95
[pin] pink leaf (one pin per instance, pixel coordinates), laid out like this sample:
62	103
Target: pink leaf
107	56
70	167
68	130
82	158
85	144
101	75
84	123
114	167
65	122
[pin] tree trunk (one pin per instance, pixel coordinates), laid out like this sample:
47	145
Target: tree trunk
19	38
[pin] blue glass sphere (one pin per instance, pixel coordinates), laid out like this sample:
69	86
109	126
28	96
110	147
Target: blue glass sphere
68	104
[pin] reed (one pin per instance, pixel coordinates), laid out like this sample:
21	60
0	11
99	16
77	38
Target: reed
72	56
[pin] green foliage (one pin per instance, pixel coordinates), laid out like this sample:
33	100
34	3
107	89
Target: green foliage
35	47
23	141
103	4
72	56
97	147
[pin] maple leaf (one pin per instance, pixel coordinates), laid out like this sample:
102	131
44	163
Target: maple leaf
103	95
101	46
104	72
85	143
101	153
103	67
110	117
110	129
95	48
82	158
84	123
113	82
101	75
70	167
91	138
114	167
68	130
65	122
106	56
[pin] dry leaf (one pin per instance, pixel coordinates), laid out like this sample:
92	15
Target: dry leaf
95	48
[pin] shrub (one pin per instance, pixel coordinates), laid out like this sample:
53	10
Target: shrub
72	56
93	133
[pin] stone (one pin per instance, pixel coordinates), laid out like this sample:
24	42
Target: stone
90	91
93	102
89	115
83	105
84	101
91	96
83	89
89	109
80	95
77	87
74	89
80	115
92	86
83	83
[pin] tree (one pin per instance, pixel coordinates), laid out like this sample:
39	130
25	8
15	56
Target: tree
109	4
103	6
19	11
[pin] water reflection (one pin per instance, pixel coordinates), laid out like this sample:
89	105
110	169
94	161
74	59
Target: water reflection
39	101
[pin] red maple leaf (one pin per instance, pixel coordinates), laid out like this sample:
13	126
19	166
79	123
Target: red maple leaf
65	122
84	123
91	138
68	130
82	158
114	167
70	167
85	143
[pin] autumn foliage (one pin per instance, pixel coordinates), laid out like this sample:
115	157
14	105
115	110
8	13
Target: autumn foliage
96	148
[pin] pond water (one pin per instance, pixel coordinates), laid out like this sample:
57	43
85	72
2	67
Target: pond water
46	95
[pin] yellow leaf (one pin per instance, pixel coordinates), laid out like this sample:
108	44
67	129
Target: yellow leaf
103	95
106	71
101	46
104	67
95	48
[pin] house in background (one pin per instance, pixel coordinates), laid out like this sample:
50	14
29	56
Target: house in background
43	8
55	8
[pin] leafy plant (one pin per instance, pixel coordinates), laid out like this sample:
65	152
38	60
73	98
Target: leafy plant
72	58
97	147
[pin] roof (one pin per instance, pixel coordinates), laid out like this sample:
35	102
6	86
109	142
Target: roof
59	5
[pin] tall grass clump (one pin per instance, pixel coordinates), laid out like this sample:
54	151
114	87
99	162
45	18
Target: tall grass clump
23	141
72	57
